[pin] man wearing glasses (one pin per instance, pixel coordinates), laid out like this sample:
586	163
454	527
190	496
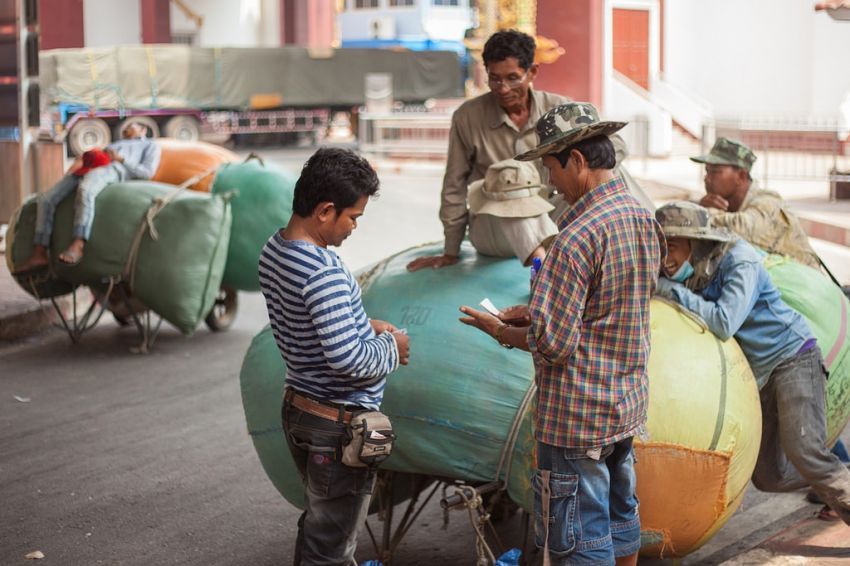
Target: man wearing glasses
491	128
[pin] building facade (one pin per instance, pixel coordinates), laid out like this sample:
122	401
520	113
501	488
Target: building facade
414	24
690	62
203	23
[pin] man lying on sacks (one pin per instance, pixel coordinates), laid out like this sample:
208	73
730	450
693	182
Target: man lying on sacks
135	156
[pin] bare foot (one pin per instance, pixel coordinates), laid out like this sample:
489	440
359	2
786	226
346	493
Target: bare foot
74	253
37	260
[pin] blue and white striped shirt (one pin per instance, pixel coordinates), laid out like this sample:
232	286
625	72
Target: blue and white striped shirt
321	329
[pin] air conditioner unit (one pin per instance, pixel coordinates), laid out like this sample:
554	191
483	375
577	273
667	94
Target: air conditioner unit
382	28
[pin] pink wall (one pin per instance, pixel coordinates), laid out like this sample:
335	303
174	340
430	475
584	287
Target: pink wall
307	23
156	21
61	23
577	26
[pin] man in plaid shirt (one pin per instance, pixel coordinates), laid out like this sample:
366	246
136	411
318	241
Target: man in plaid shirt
587	328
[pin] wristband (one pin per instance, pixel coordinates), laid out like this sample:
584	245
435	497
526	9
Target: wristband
498	335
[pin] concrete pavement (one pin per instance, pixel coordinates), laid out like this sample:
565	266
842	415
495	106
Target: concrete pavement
22	316
113	458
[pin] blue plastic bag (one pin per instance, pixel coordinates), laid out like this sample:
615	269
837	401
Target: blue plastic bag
510	558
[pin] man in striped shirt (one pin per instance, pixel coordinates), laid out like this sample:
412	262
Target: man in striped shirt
337	359
587	328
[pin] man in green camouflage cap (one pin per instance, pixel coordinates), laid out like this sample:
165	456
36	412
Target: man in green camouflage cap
759	216
735	296
588	312
728	152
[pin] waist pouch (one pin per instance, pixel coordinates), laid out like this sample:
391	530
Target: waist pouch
370	440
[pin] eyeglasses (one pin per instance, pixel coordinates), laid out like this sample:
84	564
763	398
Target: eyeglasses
496	84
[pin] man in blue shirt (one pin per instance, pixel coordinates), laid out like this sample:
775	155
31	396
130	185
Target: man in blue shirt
337	359
721	278
133	157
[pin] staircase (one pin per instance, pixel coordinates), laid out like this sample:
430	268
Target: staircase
667	119
684	143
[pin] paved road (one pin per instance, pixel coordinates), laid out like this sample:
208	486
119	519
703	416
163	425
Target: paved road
144	459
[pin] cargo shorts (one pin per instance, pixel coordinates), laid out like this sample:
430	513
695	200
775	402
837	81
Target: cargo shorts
586	509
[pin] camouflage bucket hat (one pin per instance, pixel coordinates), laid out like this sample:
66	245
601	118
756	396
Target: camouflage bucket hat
728	152
682	219
566	125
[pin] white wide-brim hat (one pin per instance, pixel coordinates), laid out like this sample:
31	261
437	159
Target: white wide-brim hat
509	189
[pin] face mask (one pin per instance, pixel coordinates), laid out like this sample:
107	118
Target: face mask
683	273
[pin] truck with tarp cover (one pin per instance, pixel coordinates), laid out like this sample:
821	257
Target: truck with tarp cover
183	92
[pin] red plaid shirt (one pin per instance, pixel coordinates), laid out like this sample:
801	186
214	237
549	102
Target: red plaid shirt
589	331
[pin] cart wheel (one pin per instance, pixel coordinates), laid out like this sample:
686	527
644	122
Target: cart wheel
224	310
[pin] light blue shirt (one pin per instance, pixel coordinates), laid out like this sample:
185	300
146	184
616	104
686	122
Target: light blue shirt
742	301
141	157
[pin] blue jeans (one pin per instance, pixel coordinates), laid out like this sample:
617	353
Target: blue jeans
336	496
593	508
87	187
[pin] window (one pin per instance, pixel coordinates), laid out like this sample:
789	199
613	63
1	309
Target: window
401	3
184	37
365	4
446	2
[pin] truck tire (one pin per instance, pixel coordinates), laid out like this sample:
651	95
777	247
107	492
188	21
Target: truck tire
149	123
184	128
88	133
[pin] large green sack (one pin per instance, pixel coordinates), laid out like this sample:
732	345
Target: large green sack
19	245
463	442
263	205
824	305
177	274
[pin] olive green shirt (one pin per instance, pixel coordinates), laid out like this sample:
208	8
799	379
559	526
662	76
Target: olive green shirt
765	221
481	134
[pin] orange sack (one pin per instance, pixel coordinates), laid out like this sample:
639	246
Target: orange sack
182	160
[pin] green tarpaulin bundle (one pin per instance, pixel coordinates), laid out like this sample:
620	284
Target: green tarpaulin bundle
179	76
438	433
262	205
181	252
